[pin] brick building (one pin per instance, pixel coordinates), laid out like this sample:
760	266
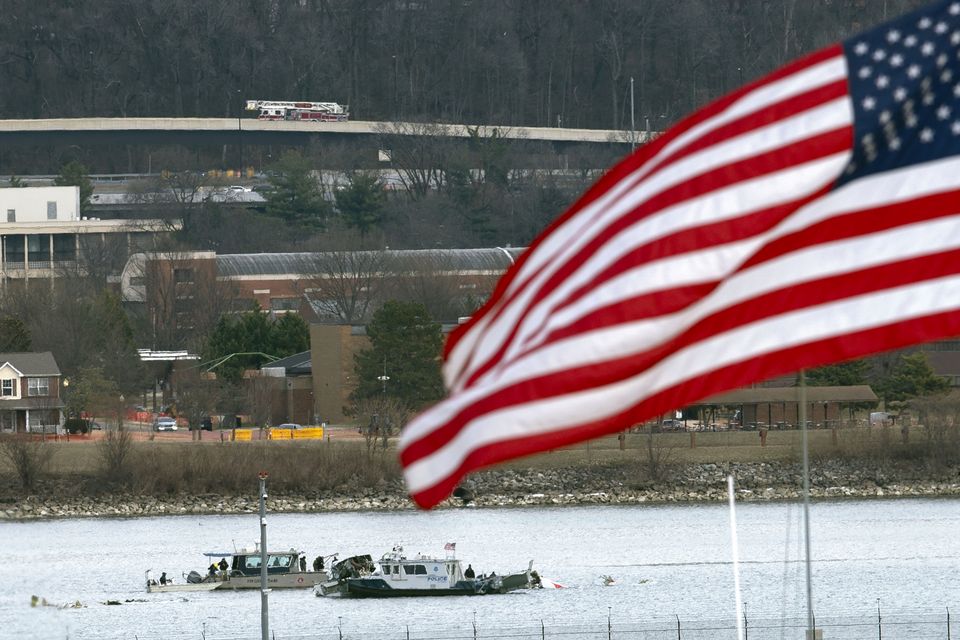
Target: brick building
29	392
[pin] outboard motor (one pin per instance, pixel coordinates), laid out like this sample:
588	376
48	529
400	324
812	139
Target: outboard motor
194	578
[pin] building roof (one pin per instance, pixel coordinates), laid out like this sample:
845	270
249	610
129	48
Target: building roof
494	260
854	393
32	363
296	365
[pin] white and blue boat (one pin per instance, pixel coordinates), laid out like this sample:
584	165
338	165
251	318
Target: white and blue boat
396	575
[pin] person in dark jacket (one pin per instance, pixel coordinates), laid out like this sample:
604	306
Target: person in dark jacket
469	573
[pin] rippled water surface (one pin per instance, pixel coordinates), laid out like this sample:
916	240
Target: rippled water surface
667	560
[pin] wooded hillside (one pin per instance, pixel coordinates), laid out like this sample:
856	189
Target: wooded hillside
511	62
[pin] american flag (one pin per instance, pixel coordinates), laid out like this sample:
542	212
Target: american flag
810	217
450	546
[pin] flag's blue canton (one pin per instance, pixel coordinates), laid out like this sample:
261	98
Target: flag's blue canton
904	80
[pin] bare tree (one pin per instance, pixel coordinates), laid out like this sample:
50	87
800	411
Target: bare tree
344	286
433	279
115	452
184	298
197	397
260	396
380	418
419	152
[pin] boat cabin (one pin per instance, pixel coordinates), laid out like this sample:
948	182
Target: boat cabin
247	562
420	571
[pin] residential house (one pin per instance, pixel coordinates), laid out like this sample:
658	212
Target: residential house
30	398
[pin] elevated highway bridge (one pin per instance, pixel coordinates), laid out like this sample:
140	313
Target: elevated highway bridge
253	131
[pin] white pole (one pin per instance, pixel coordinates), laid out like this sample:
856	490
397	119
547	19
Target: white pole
264	614
633	128
736	557
802	399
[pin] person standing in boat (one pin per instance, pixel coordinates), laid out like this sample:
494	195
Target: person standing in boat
223	566
303	561
318	563
163	578
469	574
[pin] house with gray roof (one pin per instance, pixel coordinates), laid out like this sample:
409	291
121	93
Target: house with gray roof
30	400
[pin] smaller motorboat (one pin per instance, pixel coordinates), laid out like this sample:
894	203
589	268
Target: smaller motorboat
192	581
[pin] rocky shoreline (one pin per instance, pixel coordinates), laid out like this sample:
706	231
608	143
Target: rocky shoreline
695	483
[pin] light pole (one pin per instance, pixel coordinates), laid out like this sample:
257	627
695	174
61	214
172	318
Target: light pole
396	66
383	379
633	127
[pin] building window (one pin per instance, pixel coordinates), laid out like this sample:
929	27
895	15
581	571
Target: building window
11	215
38	386
51	210
284	304
6	388
182	276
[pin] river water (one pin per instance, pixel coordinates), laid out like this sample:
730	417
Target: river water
672	565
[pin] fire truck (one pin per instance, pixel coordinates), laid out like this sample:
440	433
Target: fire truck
319	111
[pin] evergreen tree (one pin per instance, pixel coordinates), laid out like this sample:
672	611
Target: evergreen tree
74	174
295	195
291	335
404	347
14	335
911	377
251	339
844	374
361	203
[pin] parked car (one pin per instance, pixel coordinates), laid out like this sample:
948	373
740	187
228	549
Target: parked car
94	426
288	425
165	424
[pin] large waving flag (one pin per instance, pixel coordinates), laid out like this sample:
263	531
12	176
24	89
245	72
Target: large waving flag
810	217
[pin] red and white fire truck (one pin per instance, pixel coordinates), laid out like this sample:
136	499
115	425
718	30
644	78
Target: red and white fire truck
319	111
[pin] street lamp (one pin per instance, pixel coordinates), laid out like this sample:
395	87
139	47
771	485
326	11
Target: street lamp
383	379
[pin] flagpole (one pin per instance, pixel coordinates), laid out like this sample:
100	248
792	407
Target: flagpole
802	401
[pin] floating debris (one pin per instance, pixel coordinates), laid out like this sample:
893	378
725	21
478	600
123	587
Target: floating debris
37	601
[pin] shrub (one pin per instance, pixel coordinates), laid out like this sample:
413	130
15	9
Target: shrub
76	425
115	454
30	458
